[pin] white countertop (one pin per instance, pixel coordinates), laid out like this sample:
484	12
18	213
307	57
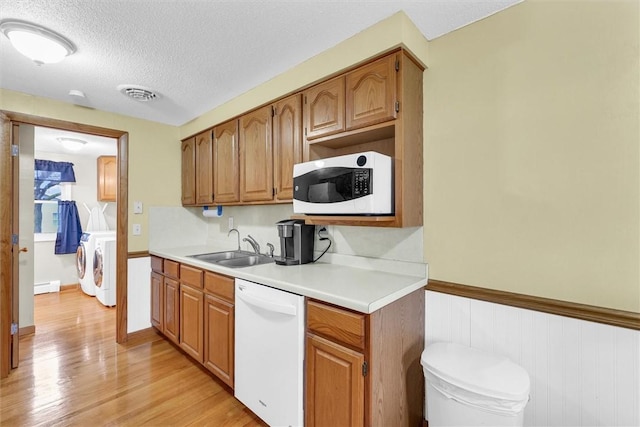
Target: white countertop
365	290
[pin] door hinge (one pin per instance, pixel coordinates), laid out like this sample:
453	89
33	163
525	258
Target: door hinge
397	106
14	239
15	150
397	65
14	329
365	369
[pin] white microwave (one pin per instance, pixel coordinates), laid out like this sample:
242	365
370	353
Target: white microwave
354	184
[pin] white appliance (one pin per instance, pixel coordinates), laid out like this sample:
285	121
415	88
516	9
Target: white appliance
269	352
353	184
104	270
84	259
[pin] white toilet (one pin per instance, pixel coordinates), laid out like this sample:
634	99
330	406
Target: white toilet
469	387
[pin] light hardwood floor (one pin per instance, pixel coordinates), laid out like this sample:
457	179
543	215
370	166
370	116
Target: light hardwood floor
72	372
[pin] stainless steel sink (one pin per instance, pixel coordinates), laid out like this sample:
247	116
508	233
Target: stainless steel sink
233	259
246	261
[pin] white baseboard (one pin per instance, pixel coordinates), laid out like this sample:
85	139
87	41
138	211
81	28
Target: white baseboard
46	287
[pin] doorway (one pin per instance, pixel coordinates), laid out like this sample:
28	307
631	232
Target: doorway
93	191
9	248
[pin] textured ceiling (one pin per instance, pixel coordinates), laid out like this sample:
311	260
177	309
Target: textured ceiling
198	54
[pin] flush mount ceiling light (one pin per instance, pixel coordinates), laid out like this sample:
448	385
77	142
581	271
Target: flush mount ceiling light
139	93
43	46
72	144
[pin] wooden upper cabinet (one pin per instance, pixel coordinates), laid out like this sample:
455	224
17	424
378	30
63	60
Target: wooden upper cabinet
188	171
287	144
107	178
204	168
371	93
226	186
256	156
324	108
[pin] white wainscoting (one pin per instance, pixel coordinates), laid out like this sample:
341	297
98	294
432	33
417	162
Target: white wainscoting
582	373
138	294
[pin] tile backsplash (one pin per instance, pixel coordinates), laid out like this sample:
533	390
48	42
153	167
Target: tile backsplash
177	226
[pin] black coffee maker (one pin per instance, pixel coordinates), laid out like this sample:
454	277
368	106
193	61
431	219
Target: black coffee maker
296	242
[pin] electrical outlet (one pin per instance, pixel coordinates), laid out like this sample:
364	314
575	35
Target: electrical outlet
230	222
137	207
137	229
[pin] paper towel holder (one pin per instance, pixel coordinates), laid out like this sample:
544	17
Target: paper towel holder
214	212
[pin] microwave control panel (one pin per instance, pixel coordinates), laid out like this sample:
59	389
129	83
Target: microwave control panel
362	182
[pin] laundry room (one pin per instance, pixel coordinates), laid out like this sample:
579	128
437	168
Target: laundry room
91	161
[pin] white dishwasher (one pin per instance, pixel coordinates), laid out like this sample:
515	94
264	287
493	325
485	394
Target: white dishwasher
269	353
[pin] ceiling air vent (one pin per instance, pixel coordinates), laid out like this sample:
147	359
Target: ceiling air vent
139	93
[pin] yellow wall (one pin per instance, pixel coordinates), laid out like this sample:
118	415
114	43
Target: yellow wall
532	153
154	152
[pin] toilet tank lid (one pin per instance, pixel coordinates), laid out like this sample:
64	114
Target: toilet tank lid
476	371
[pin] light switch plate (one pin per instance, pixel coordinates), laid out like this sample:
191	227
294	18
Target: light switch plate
137	229
137	207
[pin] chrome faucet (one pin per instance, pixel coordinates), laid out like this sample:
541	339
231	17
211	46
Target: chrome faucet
236	230
253	243
271	249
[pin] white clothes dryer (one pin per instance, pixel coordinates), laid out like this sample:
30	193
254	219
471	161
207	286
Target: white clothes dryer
104	271
84	259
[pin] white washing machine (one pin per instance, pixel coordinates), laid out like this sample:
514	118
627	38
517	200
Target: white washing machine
84	259
104	270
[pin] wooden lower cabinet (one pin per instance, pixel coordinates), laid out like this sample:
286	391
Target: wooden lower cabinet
157	300
219	337
171	327
364	370
192	322
334	384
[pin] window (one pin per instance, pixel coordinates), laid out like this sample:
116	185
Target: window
51	184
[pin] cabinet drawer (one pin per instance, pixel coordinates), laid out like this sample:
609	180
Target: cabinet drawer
171	268
333	322
156	264
222	286
191	276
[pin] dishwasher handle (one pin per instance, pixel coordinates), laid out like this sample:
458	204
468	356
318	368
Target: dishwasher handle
275	307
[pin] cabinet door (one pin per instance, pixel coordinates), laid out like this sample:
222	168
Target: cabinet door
204	168
371	93
107	178
287	144
171	309
324	108
157	300
219	338
226	182
188	172
335	384
191	321
256	156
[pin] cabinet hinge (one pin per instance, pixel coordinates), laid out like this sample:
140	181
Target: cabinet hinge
397	65
14	239
14	329
365	369
397	106
15	150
